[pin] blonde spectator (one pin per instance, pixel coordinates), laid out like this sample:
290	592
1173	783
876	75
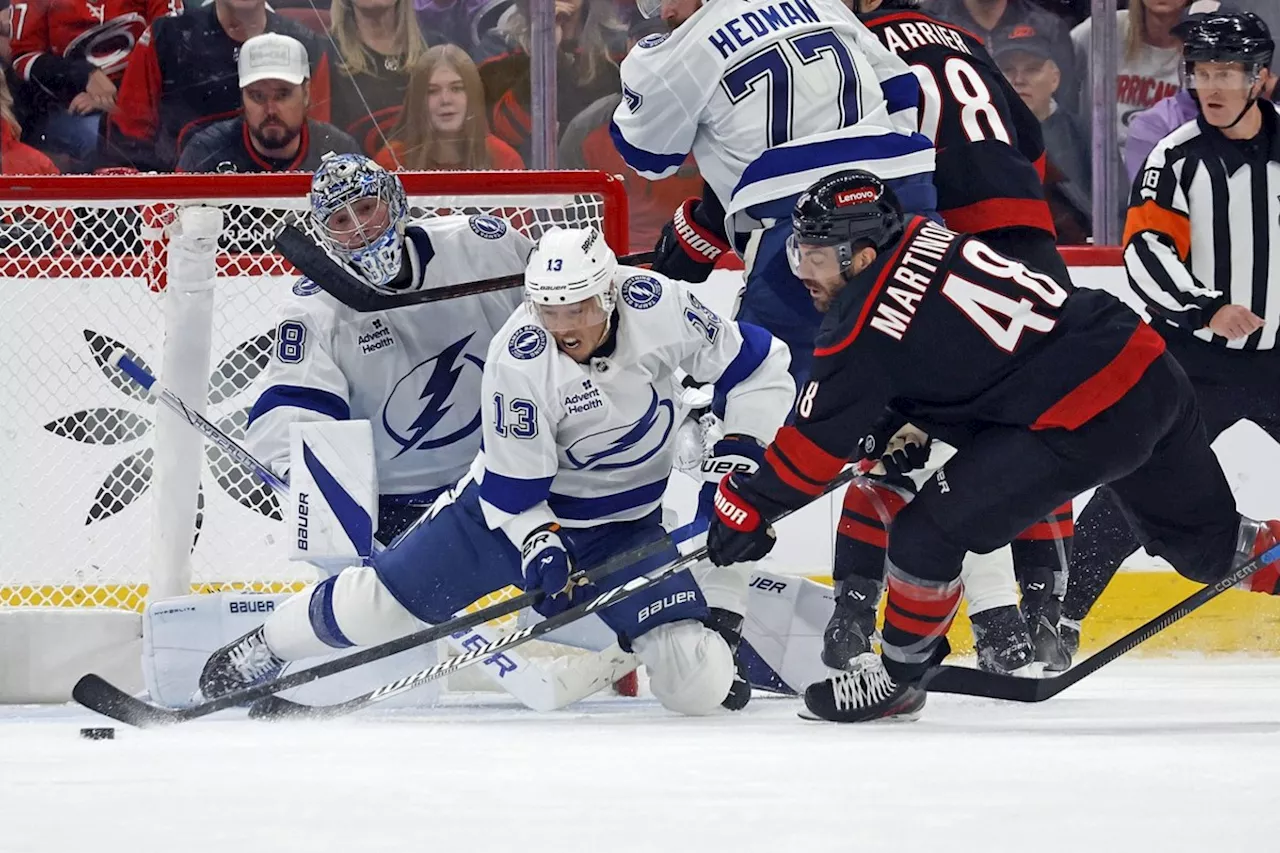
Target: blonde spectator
589	34
378	42
443	125
1150	53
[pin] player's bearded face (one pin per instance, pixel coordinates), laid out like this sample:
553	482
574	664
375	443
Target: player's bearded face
819	268
578	328
356	225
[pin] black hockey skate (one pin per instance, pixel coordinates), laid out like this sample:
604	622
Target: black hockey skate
239	664
1001	640
866	692
1069	630
853	622
728	624
1047	643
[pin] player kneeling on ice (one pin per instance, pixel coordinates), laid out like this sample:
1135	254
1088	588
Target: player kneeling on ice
1045	392
581	404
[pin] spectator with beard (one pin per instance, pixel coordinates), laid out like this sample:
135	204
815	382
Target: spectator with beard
273	134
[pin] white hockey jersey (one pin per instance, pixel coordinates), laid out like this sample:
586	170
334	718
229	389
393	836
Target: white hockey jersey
586	444
414	372
770	96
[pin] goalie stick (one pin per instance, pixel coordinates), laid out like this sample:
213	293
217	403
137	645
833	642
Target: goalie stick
316	264
973	682
276	708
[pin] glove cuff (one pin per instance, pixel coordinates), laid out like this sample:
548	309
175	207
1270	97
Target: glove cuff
698	242
736	513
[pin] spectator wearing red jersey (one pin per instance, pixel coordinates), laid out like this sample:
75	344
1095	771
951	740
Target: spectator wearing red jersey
273	134
69	56
586	144
182	76
15	157
443	126
378	43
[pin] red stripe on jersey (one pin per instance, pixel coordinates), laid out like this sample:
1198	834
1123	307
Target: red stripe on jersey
872	500
1041	163
22	65
911	625
787	474
912	227
936	602
806	459
853	529
992	213
1048	530
1104	388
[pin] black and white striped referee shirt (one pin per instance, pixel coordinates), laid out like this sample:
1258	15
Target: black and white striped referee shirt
1203	229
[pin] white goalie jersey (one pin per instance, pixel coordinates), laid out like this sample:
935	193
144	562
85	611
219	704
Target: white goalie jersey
587	444
770	96
414	372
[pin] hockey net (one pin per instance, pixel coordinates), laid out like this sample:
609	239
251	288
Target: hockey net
82	271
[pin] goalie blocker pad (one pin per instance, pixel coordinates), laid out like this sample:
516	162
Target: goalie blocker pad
333	492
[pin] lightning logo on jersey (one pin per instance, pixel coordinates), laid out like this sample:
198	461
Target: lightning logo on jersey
436	399
625	446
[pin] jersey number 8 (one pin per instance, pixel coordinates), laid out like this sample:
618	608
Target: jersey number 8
291	340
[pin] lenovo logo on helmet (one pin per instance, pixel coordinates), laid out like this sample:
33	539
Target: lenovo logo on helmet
861	195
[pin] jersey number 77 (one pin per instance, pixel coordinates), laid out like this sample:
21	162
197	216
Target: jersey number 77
777	68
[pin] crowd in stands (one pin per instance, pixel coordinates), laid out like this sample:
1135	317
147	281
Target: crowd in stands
247	85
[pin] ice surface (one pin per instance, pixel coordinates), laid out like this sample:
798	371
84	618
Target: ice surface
1144	756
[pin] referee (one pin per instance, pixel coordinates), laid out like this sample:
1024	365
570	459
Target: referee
1202	242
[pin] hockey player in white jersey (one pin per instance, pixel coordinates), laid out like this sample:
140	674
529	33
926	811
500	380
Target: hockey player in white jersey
414	371
581	403
770	96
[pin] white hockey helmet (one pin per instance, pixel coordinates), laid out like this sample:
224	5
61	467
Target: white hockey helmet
374	249
571	267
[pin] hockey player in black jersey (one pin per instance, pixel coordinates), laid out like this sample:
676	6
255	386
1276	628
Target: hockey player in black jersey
1044	391
990	174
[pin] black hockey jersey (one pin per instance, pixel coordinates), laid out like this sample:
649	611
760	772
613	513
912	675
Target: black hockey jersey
991	160
954	336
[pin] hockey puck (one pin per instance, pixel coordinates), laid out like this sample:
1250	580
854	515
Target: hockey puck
106	733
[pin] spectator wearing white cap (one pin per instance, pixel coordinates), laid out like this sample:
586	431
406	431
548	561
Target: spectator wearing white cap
273	133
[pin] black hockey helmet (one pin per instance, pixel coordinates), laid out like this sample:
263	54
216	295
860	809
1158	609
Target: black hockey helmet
844	209
1227	37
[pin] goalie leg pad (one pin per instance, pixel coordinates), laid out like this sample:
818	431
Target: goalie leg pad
725	587
353	608
690	666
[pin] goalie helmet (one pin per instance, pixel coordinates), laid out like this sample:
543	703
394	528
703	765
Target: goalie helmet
571	266
369	238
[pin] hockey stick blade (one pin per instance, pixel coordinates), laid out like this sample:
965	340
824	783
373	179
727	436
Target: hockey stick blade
329	276
97	694
276	708
973	682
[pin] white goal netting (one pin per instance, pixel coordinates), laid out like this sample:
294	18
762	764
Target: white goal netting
82	271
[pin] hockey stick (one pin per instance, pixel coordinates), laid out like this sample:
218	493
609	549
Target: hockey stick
206	427
275	708
329	276
973	682
97	694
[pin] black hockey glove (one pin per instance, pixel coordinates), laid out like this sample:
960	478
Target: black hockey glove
899	446
690	244
738	532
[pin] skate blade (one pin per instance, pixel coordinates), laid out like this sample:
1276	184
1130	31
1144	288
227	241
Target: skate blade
909	717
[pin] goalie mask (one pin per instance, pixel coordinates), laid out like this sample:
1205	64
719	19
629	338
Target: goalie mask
569	286
358	209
